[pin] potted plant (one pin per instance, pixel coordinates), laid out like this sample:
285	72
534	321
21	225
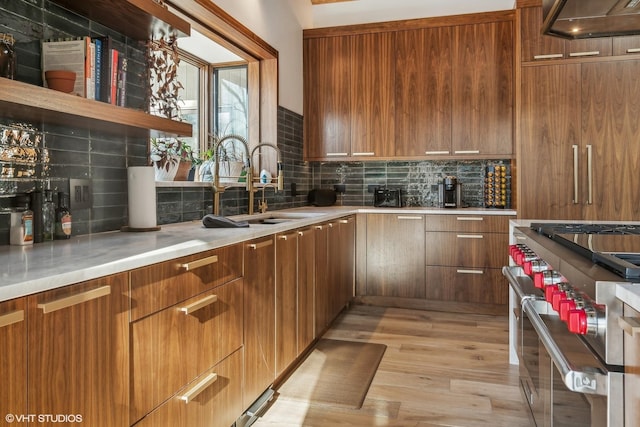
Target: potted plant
167	154
231	161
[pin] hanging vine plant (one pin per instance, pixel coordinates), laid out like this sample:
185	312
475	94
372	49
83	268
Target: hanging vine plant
162	65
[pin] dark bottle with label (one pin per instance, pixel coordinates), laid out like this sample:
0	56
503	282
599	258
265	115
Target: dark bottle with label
48	216
63	218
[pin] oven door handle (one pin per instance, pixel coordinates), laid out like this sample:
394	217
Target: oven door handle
588	381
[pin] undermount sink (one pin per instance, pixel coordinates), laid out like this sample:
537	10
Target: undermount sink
274	218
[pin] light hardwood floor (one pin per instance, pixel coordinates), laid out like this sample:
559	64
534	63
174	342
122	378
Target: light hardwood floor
439	369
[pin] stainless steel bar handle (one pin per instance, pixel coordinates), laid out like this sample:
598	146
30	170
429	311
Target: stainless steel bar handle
337	154
591	382
82	297
469	218
469	271
436	152
589	53
364	153
633	50
590	173
408	217
195	306
549	56
199	388
467	152
469	236
575	174
11	318
199	263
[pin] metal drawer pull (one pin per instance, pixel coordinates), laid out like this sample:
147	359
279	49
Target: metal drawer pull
199	263
283	237
470	218
429	153
590	173
462	271
409	217
343	221
198	388
574	147
590	53
365	153
59	304
300	233
337	154
11	318
188	309
630	325
261	244
633	50
469	236
318	227
467	152
549	56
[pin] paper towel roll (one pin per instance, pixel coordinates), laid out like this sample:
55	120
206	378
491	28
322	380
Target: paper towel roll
142	197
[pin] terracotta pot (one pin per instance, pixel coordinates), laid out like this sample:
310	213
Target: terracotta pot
61	80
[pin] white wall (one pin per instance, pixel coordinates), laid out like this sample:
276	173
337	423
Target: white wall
279	23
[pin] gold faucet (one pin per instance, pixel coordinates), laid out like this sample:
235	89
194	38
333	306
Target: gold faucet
262	205
217	188
280	178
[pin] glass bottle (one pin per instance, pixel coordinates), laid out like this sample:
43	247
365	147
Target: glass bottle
48	216
7	56
63	218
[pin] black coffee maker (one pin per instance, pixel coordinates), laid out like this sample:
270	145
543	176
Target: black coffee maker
450	192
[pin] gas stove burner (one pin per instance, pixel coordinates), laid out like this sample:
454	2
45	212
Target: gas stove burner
551	229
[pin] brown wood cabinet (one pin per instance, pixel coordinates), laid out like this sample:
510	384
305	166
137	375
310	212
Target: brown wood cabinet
395	251
327	106
539	47
78	352
286	299
259	322
306	285
214	399
577	141
464	258
423	92
334	269
182	342
372	95
13	368
482	89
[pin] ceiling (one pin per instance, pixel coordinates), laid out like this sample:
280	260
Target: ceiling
328	13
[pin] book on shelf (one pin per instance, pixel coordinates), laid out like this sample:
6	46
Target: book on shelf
122	81
67	55
98	65
113	80
90	69
103	61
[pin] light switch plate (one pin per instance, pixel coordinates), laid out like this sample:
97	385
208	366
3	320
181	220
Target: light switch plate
80	194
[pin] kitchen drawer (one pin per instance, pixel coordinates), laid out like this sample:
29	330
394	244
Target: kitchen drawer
467	249
471	223
13	369
473	285
172	347
217	405
162	285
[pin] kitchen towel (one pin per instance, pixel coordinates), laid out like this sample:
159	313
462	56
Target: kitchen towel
142	197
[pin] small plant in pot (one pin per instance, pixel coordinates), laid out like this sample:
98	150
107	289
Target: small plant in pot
231	159
167	154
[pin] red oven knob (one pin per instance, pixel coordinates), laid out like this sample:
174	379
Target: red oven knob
543	279
578	321
557	297
549	291
565	307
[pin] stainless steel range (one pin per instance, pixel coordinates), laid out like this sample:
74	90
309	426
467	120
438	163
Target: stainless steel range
568	342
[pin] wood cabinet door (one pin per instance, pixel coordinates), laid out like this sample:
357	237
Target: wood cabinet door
467	285
322	279
78	359
13	368
482	89
342	246
372	111
306	283
423	92
611	131
550	138
629	45
463	249
286	300
535	45
327	130
259	324
395	255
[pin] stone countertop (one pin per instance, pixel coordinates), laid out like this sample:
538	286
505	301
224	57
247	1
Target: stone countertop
49	265
629	293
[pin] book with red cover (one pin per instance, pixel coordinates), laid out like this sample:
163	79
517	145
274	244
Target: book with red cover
113	80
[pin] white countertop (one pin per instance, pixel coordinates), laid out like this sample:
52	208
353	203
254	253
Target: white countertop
49	265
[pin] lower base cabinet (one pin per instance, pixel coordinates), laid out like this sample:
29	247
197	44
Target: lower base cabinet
466	285
214	399
13	368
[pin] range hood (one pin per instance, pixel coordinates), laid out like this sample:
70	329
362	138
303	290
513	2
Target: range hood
581	19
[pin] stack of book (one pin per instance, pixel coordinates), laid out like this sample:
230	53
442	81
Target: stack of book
101	70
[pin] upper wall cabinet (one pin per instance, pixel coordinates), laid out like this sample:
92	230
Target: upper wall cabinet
138	19
431	88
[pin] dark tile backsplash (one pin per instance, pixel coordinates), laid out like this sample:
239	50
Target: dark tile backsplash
103	158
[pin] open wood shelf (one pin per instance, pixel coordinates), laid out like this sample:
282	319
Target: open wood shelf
138	19
23	101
